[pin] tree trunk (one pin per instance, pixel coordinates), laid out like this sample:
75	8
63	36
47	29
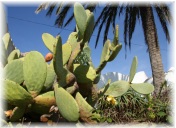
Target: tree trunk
151	39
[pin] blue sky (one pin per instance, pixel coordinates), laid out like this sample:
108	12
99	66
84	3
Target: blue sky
26	30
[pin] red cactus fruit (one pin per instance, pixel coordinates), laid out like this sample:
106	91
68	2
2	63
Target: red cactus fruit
48	57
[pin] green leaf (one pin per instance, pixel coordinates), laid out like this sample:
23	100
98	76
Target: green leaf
143	88
133	69
161	114
117	88
80	17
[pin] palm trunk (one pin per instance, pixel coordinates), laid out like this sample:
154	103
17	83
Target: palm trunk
151	39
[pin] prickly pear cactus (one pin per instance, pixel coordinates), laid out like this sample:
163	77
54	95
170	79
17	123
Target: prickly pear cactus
119	88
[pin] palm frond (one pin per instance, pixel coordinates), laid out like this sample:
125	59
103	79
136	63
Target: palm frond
108	25
126	26
51	8
91	6
41	7
101	15
104	18
69	20
132	22
163	20
114	16
60	19
59	8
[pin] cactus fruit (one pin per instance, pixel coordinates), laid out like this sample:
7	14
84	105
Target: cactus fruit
15	94
35	70
67	105
48	57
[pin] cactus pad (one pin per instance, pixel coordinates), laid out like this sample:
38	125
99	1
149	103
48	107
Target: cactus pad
43	102
17	113
84	74
49	78
35	69
48	40
133	69
15	54
66	104
81	18
117	88
84	107
66	48
14	71
143	88
15	94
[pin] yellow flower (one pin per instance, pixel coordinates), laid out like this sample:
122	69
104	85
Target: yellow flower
111	100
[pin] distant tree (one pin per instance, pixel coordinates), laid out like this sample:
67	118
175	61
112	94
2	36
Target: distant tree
132	12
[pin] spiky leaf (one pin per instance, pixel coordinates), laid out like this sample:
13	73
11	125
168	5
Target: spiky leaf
143	88
117	88
133	69
66	104
14	71
35	69
48	40
15	94
80	17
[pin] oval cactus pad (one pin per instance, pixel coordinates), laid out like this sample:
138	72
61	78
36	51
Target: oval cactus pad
67	105
118	88
35	70
15	94
14	71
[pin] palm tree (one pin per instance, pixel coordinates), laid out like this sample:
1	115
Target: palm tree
132	13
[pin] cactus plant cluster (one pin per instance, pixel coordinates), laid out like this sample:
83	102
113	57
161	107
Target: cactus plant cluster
31	84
